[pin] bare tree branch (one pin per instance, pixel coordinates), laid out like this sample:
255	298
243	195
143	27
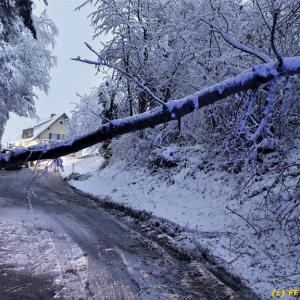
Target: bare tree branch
275	18
175	109
238	45
102	62
101	117
262	14
258	233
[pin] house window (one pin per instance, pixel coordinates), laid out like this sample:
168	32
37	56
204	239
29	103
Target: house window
55	136
27	133
61	122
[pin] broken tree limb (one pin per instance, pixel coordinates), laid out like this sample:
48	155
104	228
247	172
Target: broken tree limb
247	80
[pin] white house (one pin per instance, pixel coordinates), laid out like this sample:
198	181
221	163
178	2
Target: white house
52	130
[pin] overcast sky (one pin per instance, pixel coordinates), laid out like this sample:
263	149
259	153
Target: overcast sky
68	77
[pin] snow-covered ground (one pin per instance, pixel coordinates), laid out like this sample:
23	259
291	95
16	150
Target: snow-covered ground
195	204
35	253
200	200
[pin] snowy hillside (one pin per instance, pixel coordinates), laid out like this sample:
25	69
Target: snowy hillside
204	201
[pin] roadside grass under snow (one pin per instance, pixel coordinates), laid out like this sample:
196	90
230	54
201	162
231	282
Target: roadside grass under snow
197	199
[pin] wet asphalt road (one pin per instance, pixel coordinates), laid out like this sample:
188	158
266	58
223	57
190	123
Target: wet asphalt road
55	244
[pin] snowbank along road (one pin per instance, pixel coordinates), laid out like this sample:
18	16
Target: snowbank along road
56	244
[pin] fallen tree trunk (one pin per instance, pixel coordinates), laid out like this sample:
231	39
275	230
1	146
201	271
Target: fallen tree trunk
247	80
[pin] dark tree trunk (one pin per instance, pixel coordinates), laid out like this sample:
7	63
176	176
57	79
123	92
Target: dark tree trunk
24	8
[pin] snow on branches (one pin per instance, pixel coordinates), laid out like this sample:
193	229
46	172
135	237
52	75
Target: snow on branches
25	61
247	80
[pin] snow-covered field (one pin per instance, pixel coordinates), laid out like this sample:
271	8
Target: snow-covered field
202	202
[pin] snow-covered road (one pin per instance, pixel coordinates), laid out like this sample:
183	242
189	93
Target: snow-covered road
56	244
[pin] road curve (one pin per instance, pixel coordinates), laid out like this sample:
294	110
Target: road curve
55	244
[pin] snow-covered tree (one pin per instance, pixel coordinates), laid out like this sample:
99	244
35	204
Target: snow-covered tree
95	109
159	52
25	58
175	49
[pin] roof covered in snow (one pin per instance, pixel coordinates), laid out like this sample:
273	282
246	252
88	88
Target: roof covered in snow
43	125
